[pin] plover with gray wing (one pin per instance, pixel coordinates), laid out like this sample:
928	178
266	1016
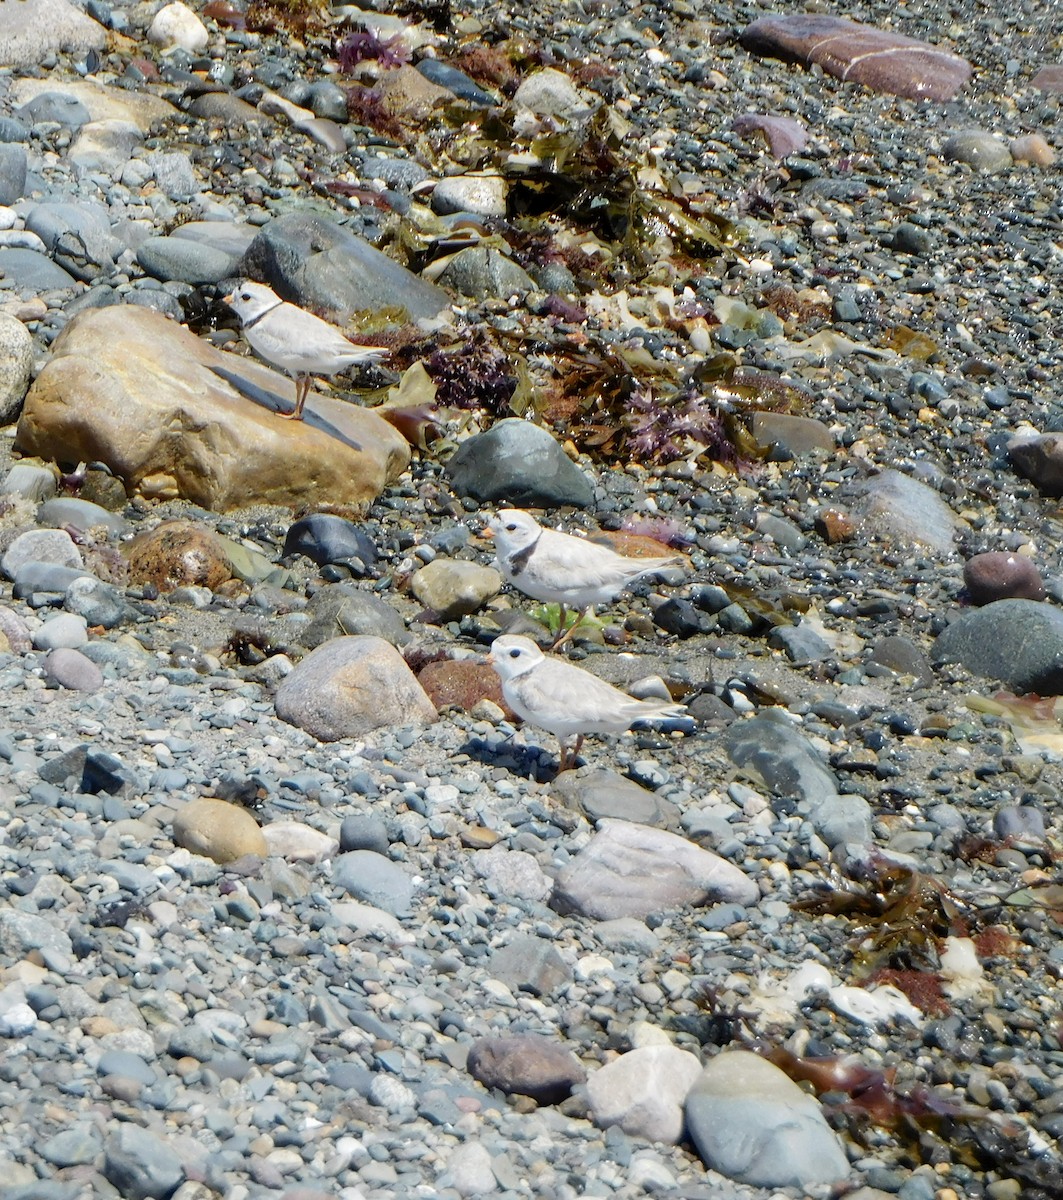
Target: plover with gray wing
561	569
564	699
291	338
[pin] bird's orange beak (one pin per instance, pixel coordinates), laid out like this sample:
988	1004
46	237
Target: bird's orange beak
227	299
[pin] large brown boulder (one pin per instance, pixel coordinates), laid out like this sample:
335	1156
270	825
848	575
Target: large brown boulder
174	417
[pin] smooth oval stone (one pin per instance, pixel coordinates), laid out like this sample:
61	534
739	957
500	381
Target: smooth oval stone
1019	642
325	538
1001	575
977	149
184	260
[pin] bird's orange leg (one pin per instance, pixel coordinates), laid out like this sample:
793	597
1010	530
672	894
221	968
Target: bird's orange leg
563	634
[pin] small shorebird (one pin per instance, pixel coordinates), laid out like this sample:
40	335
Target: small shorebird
564	699
291	338
562	569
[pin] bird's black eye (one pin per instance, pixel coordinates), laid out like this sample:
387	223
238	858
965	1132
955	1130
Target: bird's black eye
511	527
514	654
245	295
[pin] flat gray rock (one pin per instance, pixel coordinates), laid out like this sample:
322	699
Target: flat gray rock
375	880
630	870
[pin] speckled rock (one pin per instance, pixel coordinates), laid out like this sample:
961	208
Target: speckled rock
1019	642
178	554
452	587
349	686
526	1065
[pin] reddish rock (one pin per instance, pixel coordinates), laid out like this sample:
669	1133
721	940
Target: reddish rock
1032	149
1049	79
527	1065
461	684
784	135
178	554
836	525
848	50
999	575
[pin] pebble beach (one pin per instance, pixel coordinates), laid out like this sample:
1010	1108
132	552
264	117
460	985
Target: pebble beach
291	904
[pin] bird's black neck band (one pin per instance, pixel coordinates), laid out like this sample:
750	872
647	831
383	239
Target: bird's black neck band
264	313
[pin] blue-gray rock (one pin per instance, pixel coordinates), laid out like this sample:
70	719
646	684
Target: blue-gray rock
485	273
154	297
328	101
32	272
908	238
174	174
181	259
325	538
375	880
127	1064
364	832
67	512
228	237
78	236
98	603
54	107
141	1165
977	149
1019	642
904	657
602	795
12	172
530	964
344	609
105	145
1021	821
70	669
13	131
47	578
520	463
678	617
753	1124
790	768
401	173
320	265
73	1147
800	643
444	75
23	932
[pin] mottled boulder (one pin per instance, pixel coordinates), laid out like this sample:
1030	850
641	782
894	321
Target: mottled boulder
349	686
1019	642
878	58
102	103
178	554
527	1065
176	418
460	683
753	1124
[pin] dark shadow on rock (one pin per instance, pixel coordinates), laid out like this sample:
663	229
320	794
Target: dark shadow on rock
278	404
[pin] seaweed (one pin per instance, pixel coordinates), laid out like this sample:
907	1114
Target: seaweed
300	18
474	374
362	45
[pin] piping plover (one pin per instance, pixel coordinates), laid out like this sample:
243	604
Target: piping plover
289	337
562	569
564	699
